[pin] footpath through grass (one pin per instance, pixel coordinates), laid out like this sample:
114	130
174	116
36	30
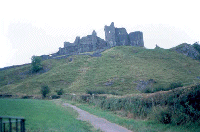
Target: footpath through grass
42	115
135	125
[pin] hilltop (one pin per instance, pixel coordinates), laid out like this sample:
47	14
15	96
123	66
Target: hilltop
120	70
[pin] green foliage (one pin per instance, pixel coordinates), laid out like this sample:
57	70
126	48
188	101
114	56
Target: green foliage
95	92
36	63
175	85
60	92
197	46
164	107
121	66
45	90
161	114
55	96
162	87
43	115
135	125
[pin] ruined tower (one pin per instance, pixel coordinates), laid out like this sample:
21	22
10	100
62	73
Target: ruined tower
110	35
77	43
136	39
119	36
94	40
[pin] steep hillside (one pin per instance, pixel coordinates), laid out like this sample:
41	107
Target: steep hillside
122	70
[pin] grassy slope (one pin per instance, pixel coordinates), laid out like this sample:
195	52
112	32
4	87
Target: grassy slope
123	66
43	115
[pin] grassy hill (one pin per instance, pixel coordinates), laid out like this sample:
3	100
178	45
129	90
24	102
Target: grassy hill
119	69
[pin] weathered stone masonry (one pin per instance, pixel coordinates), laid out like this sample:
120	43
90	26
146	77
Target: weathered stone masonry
119	36
113	37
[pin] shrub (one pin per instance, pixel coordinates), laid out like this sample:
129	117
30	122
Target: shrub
197	46
45	90
175	85
178	106
55	97
60	92
95	92
154	89
161	114
36	63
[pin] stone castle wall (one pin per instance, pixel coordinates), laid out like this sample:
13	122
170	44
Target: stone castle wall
119	36
113	37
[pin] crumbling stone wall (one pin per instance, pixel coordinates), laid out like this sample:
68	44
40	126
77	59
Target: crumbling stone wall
136	39
119	36
113	37
110	35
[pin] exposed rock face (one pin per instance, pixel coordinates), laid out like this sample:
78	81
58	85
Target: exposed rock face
188	50
113	37
142	85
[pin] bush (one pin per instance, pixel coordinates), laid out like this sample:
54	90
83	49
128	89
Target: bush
178	106
175	85
60	92
45	90
36	63
197	46
161	114
95	92
55	97
154	89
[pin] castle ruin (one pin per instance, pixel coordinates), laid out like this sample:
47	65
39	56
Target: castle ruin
119	36
113	37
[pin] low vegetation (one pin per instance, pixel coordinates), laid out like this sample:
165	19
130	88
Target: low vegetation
44	115
45	90
162	87
36	64
178	106
60	92
196	46
117	71
158	85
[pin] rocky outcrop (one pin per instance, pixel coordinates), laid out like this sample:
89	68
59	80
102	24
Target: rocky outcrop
142	85
188	50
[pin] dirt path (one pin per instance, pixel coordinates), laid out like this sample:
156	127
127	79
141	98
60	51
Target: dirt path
97	122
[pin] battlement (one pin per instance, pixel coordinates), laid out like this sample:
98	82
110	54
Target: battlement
113	37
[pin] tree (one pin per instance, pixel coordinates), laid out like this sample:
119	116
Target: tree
36	63
196	45
45	90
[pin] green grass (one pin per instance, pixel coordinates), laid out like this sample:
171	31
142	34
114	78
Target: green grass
135	125
124	66
44	115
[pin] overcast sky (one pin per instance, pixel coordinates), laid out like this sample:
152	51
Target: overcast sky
36	27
